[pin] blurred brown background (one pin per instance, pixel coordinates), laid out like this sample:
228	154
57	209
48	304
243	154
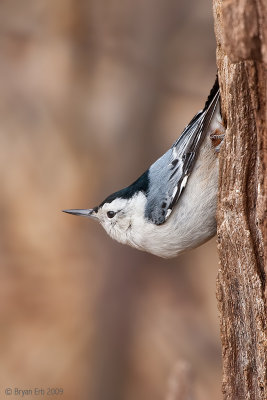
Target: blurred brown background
92	92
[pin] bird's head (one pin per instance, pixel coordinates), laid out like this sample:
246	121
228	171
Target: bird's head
121	217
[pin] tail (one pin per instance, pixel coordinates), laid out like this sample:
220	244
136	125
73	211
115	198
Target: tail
213	93
196	128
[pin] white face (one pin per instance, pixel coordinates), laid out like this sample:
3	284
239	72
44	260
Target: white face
122	219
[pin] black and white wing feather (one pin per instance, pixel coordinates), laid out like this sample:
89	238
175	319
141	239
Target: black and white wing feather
169	174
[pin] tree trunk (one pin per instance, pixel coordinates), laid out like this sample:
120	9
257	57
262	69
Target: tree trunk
242	223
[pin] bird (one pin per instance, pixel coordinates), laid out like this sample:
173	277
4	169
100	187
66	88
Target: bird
171	207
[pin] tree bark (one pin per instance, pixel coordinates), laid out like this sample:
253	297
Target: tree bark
242	224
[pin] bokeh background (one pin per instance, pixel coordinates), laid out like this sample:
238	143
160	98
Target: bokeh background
91	93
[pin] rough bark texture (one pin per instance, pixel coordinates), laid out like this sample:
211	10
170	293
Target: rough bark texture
242	224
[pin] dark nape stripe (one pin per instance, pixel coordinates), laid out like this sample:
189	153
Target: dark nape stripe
141	184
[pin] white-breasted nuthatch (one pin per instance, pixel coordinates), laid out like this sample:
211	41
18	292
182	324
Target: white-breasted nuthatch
172	206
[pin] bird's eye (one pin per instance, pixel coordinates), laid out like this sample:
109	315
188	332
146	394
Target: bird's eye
111	214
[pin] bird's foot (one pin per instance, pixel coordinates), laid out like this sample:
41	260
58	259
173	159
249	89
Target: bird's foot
217	137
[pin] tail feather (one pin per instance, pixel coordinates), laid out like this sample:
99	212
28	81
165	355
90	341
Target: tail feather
212	94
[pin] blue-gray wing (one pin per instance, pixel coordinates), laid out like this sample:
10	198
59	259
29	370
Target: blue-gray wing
169	174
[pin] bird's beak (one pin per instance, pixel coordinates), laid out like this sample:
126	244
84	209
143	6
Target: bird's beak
83	213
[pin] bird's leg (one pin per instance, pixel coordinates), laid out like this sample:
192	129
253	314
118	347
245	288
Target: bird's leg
217	137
